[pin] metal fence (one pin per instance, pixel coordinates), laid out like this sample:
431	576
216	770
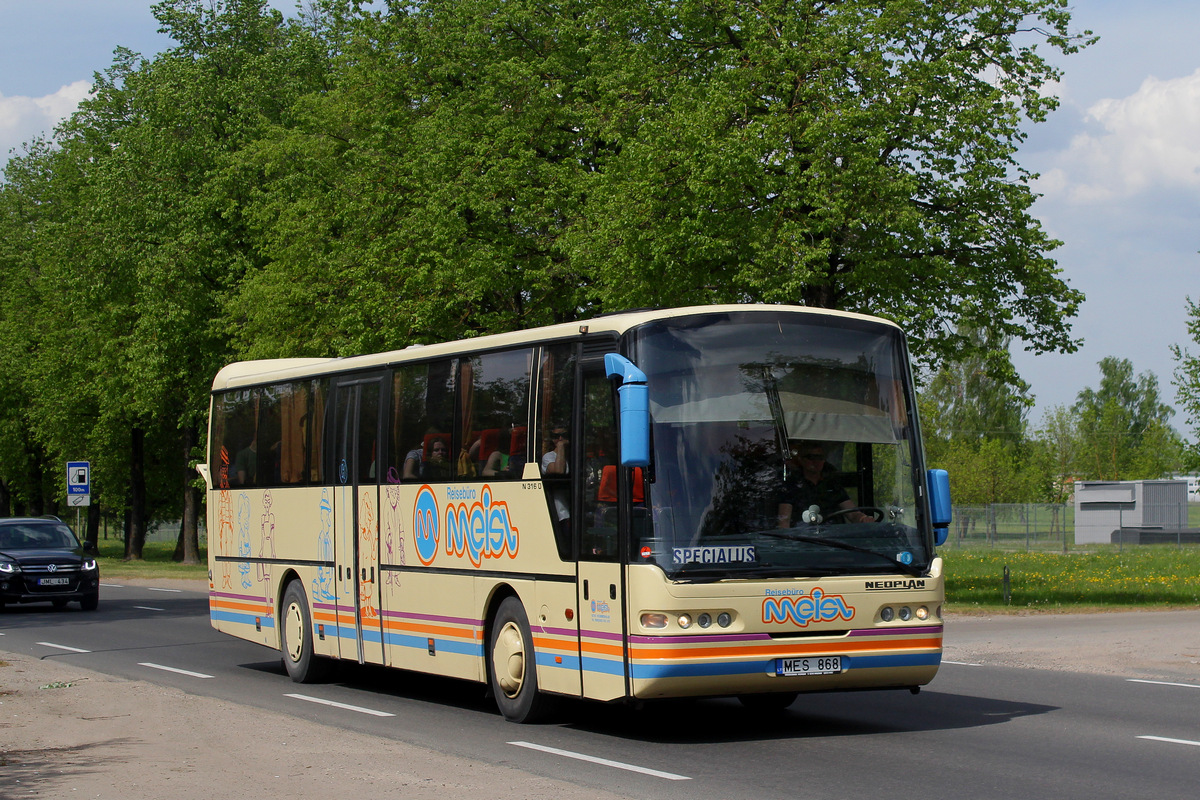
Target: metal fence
1013	526
1050	527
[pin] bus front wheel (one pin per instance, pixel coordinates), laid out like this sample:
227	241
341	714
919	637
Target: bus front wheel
296	638
513	670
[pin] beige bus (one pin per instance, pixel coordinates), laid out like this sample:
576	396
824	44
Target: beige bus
720	500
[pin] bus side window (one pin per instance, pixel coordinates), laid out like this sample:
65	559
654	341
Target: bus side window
495	405
556	389
599	523
421	421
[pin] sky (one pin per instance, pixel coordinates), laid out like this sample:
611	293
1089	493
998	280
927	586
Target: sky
1119	163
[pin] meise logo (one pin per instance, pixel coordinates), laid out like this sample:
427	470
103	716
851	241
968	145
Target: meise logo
477	531
803	609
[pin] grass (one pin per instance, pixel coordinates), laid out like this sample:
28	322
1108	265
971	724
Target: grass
1101	578
156	562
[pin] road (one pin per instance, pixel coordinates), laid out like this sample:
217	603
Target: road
979	731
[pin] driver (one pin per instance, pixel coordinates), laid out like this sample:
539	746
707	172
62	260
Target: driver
813	485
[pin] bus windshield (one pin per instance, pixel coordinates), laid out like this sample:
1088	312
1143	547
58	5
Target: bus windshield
783	445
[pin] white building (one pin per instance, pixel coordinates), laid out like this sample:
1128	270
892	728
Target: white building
1105	507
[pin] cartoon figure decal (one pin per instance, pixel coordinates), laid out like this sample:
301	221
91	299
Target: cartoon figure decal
368	553
393	528
225	541
243	531
267	543
323	583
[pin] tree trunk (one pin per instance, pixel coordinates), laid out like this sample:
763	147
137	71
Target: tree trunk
92	536
135	538
187	548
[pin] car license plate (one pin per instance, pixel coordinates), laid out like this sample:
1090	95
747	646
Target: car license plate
813	665
53	581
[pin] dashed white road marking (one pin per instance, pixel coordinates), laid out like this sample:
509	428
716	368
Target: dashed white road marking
63	647
654	773
1170	741
1165	683
173	669
344	706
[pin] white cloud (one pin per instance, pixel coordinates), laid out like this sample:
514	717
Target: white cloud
1146	142
24	118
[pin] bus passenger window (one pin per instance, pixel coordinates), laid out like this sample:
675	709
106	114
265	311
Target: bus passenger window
556	390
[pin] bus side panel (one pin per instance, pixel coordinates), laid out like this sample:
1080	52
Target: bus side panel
437	580
431	624
555	628
279	536
777	620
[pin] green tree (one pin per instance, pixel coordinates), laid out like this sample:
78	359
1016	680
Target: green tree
482	165
1123	426
1187	381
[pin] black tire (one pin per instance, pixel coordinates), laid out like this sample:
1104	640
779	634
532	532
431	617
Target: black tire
296	638
512	666
89	602
769	703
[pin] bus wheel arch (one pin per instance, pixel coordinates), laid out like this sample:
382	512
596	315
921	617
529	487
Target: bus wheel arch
296	636
511	661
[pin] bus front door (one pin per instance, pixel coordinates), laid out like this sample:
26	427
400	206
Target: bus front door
603	648
357	450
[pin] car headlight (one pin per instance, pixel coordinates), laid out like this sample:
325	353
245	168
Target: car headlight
89	564
8	568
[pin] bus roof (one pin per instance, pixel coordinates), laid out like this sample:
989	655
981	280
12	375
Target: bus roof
250	373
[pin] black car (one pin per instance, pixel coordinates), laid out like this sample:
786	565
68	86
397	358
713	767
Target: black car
41	561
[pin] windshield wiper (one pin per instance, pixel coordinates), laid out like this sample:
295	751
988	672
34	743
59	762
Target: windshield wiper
791	535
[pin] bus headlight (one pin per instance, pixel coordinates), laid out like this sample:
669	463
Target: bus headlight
922	613
654	620
685	621
724	619
704	620
887	614
905	613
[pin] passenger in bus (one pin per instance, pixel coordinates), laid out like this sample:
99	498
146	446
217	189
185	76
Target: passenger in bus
245	465
555	466
434	467
554	460
811	483
501	463
437	466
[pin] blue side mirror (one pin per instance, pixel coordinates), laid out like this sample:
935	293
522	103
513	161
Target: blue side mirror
633	397
938	481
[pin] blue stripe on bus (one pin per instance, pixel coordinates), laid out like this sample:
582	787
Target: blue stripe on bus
650	671
440	645
603	665
548	659
241	619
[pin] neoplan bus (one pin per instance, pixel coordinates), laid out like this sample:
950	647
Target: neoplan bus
612	509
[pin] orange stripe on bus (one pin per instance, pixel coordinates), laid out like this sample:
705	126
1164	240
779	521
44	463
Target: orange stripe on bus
231	606
441	630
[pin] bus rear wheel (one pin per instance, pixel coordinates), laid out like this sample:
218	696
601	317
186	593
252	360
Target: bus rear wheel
513	668
296	638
